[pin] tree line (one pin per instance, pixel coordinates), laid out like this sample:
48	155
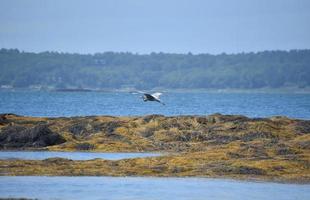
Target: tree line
271	69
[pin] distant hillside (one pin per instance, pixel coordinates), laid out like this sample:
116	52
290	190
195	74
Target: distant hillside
272	69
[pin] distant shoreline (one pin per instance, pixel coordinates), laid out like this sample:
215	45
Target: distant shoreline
167	90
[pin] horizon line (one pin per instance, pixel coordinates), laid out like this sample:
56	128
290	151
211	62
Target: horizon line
154	52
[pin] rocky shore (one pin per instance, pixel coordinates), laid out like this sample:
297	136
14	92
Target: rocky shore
233	146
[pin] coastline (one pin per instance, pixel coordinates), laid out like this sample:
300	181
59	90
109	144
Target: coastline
222	146
266	90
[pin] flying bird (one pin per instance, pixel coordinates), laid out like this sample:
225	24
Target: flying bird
150	97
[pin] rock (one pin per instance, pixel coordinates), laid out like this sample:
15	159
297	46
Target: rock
22	137
149	118
193	136
88	127
216	139
3	119
177	169
234	155
257	151
249	170
159	168
304	144
80	129
57	160
202	120
285	151
278	168
303	127
257	135
219	118
84	146
147	132
109	127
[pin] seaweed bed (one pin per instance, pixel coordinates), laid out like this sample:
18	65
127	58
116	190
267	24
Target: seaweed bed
227	146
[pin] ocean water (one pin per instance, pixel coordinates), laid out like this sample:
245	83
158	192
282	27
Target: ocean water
41	155
147	188
53	104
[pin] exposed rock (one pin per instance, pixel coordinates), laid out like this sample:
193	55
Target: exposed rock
57	160
219	118
216	139
177	169
256	151
202	120
109	127
257	135
278	168
80	129
234	155
147	132
304	144
84	128
249	170
303	127
38	136
84	146
285	150
148	118
3	119
194	136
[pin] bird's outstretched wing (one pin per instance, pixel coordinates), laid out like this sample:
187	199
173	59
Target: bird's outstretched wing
157	95
137	92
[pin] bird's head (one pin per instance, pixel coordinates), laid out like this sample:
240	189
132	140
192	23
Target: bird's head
144	98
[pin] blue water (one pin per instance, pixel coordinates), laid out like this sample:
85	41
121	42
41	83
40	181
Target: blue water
100	103
55	104
41	155
136	188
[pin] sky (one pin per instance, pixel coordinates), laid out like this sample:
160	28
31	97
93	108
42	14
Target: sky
145	26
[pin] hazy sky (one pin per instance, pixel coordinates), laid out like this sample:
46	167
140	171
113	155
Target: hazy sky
144	26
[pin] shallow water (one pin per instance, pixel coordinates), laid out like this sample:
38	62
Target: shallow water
41	155
126	104
136	188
